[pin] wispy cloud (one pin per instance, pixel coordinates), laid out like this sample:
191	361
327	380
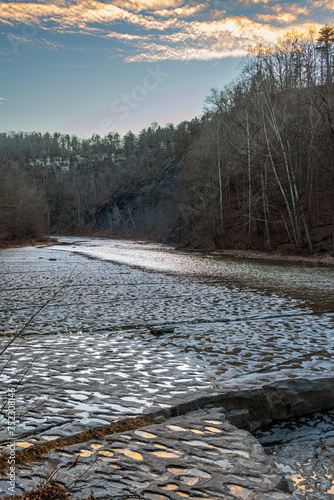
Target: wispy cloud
184	11
230	37
148	5
152	30
79	14
283	14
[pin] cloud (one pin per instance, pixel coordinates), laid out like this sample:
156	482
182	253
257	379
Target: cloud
152	30
230	37
185	11
21	44
324	4
148	5
282	14
161	53
79	14
284	18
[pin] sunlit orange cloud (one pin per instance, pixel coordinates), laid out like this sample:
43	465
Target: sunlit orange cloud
305	27
165	28
71	14
81	14
293	8
285	18
206	41
251	2
324	4
80	11
238	27
283	14
184	11
24	13
78	15
152	5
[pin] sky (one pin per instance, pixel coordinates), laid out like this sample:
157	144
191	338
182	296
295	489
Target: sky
98	66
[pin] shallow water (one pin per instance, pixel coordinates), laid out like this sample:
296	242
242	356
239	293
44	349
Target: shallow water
305	281
303	449
90	354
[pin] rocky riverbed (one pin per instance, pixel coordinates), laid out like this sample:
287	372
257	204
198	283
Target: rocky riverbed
131	328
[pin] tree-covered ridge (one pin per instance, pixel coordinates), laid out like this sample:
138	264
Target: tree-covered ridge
255	171
274	130
78	175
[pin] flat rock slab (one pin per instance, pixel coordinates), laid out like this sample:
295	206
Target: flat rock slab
200	456
90	357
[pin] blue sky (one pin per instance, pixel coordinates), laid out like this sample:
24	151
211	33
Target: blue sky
95	66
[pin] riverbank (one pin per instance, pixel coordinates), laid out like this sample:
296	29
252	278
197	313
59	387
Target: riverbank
323	259
316	259
26	242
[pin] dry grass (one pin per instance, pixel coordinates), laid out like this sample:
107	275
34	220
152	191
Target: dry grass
36	452
51	491
323	259
25	242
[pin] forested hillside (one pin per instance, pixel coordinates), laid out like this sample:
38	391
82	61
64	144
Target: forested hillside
255	171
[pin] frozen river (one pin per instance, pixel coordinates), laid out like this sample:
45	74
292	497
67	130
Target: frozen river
90	357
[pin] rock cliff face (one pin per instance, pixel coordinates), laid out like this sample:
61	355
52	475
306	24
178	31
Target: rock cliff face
65	162
143	207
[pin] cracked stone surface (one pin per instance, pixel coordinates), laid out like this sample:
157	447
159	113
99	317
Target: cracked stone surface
200	456
87	362
90	358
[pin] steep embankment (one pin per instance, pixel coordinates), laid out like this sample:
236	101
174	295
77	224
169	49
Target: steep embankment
144	207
